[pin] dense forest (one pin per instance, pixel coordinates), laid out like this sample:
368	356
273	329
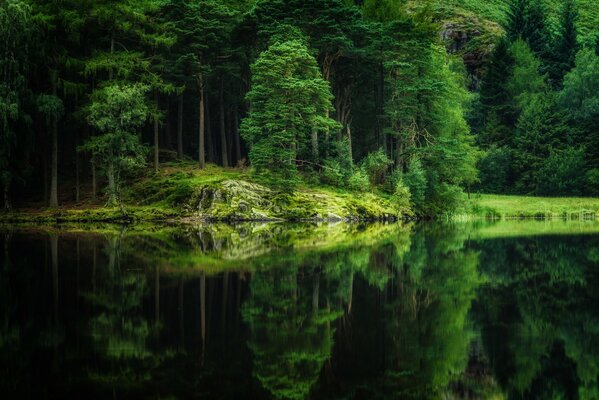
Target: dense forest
426	101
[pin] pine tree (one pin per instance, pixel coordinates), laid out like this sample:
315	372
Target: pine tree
289	98
202	27
117	110
496	109
16	31
562	57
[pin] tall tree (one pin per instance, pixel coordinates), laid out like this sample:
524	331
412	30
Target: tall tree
201	27
16	31
289	98
116	111
562	56
496	113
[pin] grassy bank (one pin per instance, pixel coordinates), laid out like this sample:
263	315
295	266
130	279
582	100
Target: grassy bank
505	207
182	191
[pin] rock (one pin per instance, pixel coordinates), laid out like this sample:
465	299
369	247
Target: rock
334	217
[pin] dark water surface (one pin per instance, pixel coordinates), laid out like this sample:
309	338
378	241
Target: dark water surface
473	311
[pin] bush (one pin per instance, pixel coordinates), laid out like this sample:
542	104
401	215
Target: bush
393	179
562	174
332	173
401	199
376	164
359	180
415	179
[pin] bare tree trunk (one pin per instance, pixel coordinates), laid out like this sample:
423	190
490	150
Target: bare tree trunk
54	162
201	150
111	185
223	133
180	127
7	205
314	138
94	189
349	143
209	133
156	136
236	134
77	180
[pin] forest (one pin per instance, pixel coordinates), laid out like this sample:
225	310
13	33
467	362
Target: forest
419	102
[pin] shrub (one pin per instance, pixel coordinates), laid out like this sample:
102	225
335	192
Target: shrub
415	179
376	164
331	173
359	180
401	199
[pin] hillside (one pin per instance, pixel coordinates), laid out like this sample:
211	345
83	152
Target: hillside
471	27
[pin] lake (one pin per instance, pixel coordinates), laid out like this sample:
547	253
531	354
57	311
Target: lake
485	310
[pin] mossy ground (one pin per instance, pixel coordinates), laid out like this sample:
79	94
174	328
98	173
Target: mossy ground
182	191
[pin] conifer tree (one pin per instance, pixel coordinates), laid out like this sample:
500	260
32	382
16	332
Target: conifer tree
562	57
289	98
496	109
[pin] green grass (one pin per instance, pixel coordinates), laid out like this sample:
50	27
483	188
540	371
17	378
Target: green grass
502	206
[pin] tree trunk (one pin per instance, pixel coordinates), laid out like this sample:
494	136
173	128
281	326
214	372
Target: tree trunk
223	132
54	161
77	181
201	150
7	205
314	138
94	190
398	151
236	134
156	136
349	143
111	185
180	127
209	135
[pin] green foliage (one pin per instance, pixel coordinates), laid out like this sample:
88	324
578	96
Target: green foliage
562	55
497	115
376	165
581	100
416	181
16	31
541	128
561	173
332	173
401	198
288	100
525	80
359	180
496	170
116	111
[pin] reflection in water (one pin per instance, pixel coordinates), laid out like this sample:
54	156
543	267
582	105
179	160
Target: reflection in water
298	312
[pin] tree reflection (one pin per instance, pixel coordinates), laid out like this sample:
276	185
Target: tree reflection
539	316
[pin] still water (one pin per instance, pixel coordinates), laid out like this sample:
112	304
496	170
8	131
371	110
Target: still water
451	311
